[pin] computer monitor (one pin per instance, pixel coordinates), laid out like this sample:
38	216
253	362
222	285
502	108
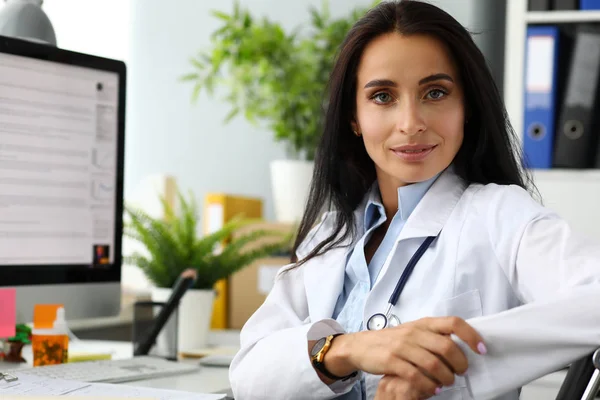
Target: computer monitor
62	119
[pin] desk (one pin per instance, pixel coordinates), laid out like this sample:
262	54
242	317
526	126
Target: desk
206	380
216	380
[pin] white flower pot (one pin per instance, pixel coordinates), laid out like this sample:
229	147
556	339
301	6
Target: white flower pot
194	315
290	183
194	319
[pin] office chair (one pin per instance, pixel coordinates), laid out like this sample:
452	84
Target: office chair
582	380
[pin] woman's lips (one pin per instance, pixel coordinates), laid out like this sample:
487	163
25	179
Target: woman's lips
413	153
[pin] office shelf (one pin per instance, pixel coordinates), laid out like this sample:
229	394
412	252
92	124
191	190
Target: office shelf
557	17
517	20
573	193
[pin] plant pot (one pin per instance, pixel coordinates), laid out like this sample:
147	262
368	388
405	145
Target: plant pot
193	319
290	183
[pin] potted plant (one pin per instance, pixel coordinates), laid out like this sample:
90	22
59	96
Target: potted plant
279	79
13	346
171	245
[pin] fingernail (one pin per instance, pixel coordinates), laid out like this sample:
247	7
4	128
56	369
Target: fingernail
463	374
481	347
438	391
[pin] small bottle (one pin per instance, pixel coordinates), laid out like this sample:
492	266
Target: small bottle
51	346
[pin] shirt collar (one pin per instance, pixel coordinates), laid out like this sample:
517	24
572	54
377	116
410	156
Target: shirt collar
408	198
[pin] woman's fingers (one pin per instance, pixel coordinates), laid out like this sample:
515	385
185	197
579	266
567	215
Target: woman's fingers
446	349
425	360
411	375
459	327
395	388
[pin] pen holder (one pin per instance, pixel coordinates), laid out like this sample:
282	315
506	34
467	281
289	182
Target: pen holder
144	316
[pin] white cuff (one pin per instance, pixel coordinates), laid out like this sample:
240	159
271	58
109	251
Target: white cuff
321	329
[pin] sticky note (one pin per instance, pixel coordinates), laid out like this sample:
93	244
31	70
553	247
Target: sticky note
8	312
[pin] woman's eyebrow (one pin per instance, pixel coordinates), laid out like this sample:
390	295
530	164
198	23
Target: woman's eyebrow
390	83
380	82
436	77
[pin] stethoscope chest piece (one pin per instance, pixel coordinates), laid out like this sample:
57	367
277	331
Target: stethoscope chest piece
380	321
377	322
393	321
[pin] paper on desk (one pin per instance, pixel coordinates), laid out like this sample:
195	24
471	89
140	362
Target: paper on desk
111	390
74	397
46	388
34	385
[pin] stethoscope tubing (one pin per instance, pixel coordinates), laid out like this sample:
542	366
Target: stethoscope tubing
408	271
387	316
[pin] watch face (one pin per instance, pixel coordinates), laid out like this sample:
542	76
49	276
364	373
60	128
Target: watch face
318	346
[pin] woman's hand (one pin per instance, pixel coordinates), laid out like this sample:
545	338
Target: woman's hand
420	353
394	388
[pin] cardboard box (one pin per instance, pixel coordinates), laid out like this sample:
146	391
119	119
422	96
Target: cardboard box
249	287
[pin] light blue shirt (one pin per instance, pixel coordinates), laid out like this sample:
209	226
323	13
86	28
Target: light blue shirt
360	277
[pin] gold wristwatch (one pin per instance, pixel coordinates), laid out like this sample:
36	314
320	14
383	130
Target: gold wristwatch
317	357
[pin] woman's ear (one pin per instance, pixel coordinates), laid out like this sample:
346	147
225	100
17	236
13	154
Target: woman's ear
355	128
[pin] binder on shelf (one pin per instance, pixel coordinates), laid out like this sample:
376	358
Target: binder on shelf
577	130
541	89
589	5
539	5
566	4
219	209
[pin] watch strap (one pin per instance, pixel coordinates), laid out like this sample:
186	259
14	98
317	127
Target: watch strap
320	366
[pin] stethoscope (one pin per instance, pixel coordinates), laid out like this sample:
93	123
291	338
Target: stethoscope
380	321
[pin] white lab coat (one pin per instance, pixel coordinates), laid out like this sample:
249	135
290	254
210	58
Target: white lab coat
512	268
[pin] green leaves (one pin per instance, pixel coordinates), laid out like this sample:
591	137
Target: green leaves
274	78
172	244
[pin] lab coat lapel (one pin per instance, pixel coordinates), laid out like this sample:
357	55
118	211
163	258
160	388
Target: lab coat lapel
324	280
435	208
427	219
324	275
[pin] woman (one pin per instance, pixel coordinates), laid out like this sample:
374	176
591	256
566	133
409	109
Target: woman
417	159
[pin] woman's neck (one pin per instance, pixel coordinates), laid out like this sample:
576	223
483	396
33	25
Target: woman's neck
389	196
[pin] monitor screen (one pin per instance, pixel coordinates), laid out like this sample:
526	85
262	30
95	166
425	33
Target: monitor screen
61	165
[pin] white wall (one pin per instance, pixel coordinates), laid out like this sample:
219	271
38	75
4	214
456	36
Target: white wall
99	27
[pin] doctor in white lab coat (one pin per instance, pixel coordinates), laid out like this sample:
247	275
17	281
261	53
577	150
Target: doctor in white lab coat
416	144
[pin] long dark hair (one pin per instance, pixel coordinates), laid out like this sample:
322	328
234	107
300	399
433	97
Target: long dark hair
343	171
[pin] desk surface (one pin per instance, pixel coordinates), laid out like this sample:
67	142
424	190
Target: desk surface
216	380
206	380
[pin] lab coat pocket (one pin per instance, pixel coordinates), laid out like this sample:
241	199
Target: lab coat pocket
466	305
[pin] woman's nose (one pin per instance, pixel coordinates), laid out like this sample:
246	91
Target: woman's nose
410	121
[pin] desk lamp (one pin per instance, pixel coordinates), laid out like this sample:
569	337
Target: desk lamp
25	19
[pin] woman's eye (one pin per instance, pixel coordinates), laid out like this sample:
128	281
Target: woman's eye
436	94
382	97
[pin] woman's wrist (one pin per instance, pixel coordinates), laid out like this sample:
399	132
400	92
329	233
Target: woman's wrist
338	360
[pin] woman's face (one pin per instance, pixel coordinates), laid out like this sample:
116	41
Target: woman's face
409	108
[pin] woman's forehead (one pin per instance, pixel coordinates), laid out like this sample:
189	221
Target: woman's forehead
395	56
